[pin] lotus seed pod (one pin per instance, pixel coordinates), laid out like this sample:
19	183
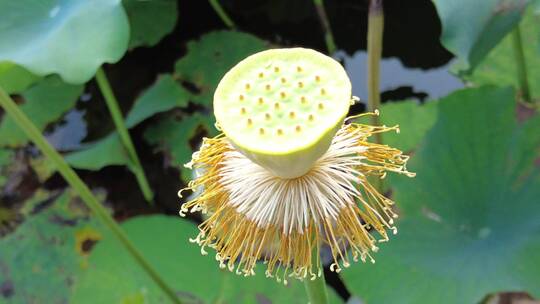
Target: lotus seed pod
282	107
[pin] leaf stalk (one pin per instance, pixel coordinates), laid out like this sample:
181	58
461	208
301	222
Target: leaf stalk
118	119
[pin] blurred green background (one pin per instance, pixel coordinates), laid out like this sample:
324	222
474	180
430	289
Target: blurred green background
460	77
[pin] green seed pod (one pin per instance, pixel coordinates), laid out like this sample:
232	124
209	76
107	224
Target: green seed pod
282	107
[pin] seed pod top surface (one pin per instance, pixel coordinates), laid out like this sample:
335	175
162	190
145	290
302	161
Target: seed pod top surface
283	102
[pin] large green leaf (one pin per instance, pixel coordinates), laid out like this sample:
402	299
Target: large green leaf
69	37
44	103
108	151
472	28
164	95
173	137
15	79
150	20
210	57
469	220
39	262
5	157
499	67
165	242
414	121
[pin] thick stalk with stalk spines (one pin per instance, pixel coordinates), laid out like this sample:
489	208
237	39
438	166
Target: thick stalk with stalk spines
222	14
82	190
120	125
521	65
323	17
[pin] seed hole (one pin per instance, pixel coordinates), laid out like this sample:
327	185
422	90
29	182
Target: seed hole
276	69
303	100
282	94
291	114
317	78
267	87
261	131
267	116
323	91
279	131
321	106
248	86
249	121
243	110
261	101
311	117
300	84
261	75
283	80
298	128
241	97
299	69
276	105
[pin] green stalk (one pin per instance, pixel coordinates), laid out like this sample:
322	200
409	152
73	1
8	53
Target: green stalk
328	36
118	120
82	190
374	49
521	65
222	14
316	289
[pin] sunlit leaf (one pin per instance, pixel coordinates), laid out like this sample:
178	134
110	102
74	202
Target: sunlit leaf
499	67
39	261
164	95
70	37
210	57
469	220
472	28
196	278
15	79
150	20
44	103
173	137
